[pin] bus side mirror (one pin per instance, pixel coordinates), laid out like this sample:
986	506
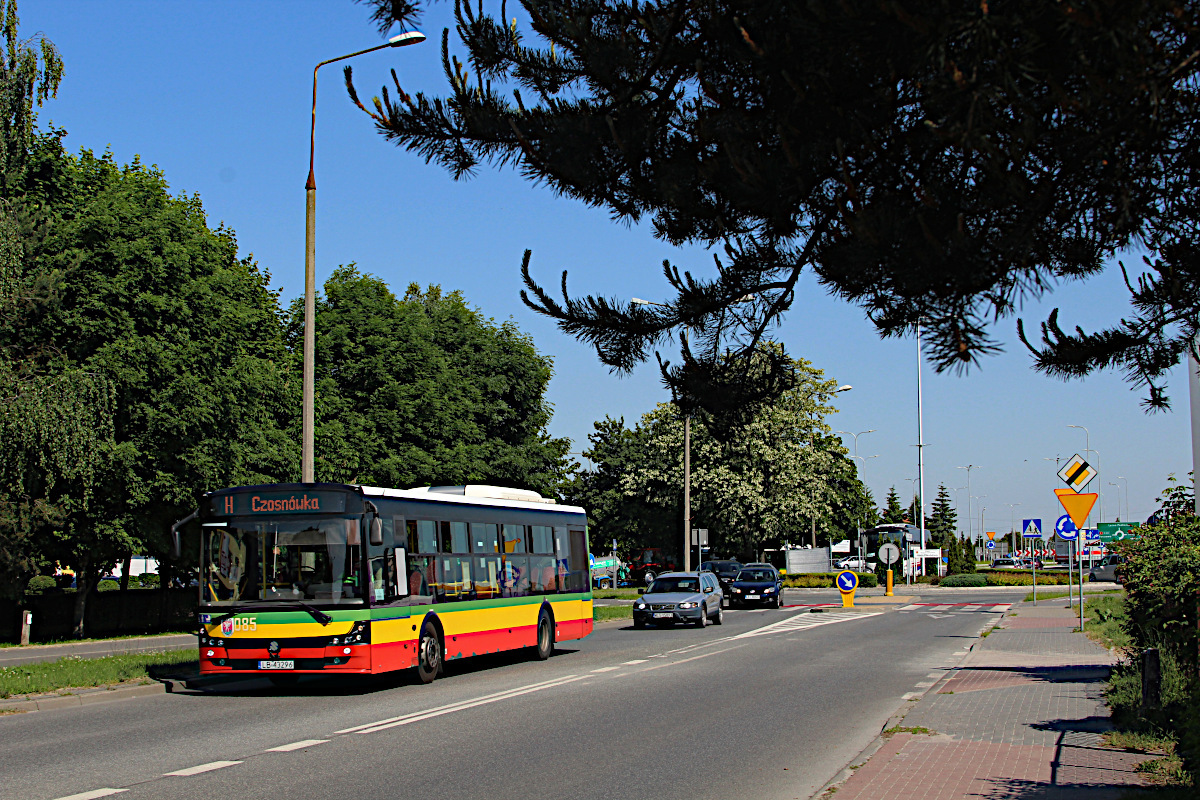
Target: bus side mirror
376	531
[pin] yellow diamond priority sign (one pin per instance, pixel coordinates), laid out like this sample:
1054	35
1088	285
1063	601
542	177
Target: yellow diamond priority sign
1077	472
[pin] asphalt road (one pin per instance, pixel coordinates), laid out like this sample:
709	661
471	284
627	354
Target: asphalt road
770	705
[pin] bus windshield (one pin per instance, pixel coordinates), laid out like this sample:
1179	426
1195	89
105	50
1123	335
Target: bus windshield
295	559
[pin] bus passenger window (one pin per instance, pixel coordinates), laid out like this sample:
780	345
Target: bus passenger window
421	580
514	579
422	536
459	540
541	575
486	573
514	539
485	538
542	539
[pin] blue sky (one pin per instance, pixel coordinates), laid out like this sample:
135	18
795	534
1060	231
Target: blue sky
217	94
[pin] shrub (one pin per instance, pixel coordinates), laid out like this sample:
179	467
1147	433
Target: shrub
147	579
108	586
964	579
1016	577
40	584
824	580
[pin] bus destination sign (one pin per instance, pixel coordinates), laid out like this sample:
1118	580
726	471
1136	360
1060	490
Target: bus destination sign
279	503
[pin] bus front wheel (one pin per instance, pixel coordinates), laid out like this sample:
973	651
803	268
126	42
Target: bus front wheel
429	653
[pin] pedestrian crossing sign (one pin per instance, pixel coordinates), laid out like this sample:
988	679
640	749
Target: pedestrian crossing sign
1031	529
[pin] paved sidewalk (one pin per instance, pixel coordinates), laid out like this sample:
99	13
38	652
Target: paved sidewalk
1020	717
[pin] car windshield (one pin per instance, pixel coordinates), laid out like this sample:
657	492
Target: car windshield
755	575
284	559
670	584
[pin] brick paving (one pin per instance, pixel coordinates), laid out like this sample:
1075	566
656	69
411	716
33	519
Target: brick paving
1021	718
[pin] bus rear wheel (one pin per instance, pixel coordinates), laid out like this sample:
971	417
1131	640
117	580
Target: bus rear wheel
429	654
545	637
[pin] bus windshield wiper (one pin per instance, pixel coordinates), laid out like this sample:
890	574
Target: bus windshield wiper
317	614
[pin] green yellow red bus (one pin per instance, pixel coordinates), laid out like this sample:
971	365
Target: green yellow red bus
341	579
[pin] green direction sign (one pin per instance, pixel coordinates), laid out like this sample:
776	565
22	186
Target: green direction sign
1116	531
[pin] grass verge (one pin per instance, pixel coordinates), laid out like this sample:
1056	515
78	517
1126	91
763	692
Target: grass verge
890	732
616	594
606	613
1058	595
72	672
1103	616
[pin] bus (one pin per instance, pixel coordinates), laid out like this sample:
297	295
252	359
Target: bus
328	579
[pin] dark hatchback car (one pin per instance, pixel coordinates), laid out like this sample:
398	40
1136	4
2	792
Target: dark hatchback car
758	585
725	571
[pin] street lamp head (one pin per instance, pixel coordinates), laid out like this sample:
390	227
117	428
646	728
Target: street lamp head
843	388
406	38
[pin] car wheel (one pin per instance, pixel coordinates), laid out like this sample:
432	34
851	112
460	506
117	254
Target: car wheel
778	601
719	619
703	621
545	637
604	584
429	654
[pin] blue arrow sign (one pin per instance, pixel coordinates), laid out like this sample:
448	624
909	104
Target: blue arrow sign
1031	529
1066	529
847	581
1093	534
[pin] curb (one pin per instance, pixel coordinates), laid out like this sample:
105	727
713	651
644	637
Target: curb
85	697
893	721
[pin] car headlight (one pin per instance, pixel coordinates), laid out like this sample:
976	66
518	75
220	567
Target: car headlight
639	605
768	590
737	590
687	605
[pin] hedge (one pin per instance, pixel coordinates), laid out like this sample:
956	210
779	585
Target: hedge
1020	577
964	579
825	580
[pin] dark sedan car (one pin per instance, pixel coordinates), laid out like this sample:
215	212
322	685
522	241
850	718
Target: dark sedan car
725	571
757	585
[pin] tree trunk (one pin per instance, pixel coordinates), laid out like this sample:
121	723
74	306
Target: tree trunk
85	581
126	565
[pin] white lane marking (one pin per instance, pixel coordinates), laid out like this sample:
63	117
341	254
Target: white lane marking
300	745
635	661
934	675
910	607
802	621
924	684
941	608
450	707
910	695
464	706
92	795
605	669
693	658
209	767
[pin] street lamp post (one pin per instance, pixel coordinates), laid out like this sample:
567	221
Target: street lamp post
308	414
1087	436
958	509
968	468
857	457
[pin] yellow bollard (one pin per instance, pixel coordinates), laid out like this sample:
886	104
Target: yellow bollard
847	583
889	583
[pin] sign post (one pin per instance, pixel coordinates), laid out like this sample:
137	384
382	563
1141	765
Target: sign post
847	583
1031	531
889	554
1067	531
1077	506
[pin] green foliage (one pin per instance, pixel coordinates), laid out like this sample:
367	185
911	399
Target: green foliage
606	613
963	579
1104	620
975	155
73	672
760	484
147	580
425	390
825	580
893	513
1016	577
40	584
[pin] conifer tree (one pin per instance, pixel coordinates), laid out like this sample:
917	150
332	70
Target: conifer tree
939	162
892	512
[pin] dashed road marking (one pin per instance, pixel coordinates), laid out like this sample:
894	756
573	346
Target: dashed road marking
93	794
635	661
209	767
605	669
287	748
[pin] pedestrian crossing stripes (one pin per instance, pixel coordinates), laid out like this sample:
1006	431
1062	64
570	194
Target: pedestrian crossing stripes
956	607
799	622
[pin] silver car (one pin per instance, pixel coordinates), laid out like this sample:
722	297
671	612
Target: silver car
680	597
1107	570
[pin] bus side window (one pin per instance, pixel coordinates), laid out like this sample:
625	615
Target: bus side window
561	568
381	566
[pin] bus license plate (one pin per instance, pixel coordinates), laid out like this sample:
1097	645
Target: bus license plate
751	597
661	615
277	665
